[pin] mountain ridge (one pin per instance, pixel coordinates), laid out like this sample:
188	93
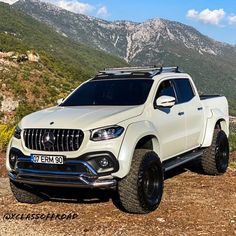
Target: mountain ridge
156	41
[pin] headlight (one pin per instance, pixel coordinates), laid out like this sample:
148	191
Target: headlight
106	133
17	133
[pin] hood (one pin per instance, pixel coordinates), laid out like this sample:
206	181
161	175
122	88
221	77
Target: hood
84	118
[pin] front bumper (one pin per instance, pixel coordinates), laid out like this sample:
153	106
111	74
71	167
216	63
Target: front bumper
80	172
60	180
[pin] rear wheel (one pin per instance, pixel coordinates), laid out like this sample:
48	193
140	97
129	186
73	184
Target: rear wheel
141	190
25	194
215	158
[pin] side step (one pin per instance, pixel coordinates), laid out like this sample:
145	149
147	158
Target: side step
182	159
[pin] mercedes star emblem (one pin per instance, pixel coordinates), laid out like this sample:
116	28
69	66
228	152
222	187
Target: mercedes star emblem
48	140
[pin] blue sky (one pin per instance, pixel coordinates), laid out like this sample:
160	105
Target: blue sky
215	18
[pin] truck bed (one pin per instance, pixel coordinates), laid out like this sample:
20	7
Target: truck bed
215	103
203	97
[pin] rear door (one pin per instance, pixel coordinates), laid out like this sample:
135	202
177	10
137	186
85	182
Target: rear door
193	112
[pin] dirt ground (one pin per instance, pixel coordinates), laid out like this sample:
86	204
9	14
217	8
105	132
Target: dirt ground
192	204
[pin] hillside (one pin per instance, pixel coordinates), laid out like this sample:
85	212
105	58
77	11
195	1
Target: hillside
158	41
62	66
25	85
79	58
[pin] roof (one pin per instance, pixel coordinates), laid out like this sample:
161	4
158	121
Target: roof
134	72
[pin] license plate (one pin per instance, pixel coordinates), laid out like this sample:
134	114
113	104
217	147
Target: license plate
47	159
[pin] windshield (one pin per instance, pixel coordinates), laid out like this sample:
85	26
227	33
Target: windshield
120	92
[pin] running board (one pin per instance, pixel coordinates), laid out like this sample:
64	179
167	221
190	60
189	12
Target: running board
180	160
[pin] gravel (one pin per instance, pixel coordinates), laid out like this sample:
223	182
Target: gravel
192	204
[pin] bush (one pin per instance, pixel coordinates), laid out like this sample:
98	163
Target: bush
232	142
6	133
232	137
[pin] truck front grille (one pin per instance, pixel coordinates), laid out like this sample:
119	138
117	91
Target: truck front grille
53	139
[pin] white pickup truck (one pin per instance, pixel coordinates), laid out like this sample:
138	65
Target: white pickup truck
122	129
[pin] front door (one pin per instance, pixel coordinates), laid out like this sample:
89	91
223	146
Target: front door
170	123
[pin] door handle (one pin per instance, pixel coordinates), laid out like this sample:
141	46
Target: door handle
199	108
181	113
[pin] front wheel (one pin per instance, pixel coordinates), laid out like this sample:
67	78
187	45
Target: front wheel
215	159
25	194
141	190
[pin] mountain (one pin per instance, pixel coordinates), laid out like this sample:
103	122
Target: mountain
212	64
123	38
62	65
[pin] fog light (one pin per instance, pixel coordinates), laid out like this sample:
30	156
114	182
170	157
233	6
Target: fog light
12	160
104	162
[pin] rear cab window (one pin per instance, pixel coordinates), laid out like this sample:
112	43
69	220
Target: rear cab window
184	90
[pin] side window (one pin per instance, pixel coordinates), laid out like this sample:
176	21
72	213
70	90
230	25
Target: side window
166	89
184	90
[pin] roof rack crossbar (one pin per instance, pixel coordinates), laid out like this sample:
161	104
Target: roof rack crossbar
147	71
133	68
174	69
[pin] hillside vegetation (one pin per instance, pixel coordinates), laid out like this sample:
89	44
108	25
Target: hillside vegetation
232	137
32	85
80	60
26	86
63	63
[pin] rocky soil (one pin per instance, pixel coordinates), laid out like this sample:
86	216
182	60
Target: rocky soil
193	204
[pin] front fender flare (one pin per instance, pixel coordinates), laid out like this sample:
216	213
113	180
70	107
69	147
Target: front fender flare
134	133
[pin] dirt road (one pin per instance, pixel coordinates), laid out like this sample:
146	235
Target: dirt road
193	204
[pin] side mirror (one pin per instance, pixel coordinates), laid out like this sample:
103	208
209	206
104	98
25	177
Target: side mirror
59	101
165	101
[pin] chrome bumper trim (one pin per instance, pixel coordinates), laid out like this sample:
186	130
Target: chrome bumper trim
62	180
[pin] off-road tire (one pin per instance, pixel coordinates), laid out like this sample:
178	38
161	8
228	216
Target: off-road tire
141	190
215	158
25	194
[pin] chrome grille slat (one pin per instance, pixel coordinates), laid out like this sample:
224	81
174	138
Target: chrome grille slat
36	139
57	140
27	137
65	139
62	139
78	142
30	139
40	139
72	139
52	148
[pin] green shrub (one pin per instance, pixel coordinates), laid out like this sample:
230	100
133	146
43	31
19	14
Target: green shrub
232	137
232	142
6	133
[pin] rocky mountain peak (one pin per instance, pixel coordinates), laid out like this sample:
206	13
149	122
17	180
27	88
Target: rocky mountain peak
125	39
42	5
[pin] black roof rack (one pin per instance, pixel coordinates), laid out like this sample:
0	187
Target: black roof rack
134	72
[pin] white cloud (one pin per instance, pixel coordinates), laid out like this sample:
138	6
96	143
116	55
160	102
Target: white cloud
102	12
9	1
207	16
192	13
75	6
232	20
